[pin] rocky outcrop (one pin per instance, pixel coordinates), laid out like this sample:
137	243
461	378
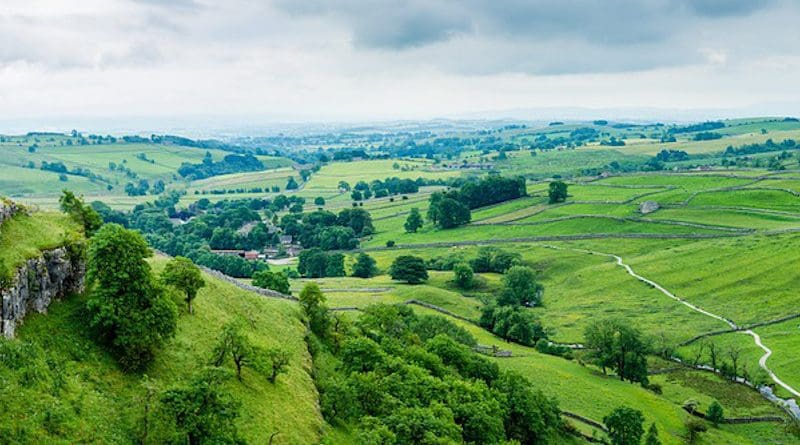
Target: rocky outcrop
7	210
648	207
54	274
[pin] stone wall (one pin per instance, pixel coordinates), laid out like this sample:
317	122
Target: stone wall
36	283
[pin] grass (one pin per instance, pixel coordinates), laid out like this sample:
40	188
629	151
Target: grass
761	199
103	404
26	236
329	175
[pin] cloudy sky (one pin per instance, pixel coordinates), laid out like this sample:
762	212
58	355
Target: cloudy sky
348	60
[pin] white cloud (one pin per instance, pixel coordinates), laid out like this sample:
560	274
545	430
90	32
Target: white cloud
353	59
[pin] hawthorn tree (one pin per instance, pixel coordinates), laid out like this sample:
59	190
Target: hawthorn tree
130	311
557	192
182	274
201	412
414	221
234	343
520	288
277	281
365	266
625	426
463	275
408	268
83	214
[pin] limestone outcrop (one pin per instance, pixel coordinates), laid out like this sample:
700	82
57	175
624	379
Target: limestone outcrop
34	285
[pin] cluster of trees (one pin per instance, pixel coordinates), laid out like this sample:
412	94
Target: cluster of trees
59	167
451	209
767	146
139	189
703	126
316	263
212	226
491	190
122	168
706	136
403	378
507	317
617	345
487	259
380	189
327	230
231	163
672	156
613	142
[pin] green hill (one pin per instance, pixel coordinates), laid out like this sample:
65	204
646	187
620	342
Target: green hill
62	388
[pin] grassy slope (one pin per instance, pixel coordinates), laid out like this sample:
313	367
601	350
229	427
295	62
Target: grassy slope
106	402
23	236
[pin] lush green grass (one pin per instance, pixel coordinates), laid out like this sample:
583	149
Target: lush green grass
329	176
392	230
19	181
99	403
761	199
567	162
729	218
23	237
263	179
747	279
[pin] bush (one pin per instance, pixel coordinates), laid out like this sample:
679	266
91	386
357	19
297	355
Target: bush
463	276
390	243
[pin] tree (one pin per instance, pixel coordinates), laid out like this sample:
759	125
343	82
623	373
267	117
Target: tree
652	435
128	309
234	343
520	288
531	416
81	213
291	184
557	192
446	212
414	221
625	426
408	268
615	344
715	414
694	427
319	201
279	362
463	275
182	274
356	195
365	266
201	411
277	281
313	302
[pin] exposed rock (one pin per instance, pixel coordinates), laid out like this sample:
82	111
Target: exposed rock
648	207
8	209
36	283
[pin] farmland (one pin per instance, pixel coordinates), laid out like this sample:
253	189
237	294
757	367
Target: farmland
717	254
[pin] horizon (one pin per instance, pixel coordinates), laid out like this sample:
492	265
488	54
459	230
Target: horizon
243	64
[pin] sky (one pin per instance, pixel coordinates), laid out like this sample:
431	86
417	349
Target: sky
250	62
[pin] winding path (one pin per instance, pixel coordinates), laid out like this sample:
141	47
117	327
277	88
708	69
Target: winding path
762	362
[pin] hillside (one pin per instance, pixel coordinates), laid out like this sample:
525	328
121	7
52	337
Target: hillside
63	388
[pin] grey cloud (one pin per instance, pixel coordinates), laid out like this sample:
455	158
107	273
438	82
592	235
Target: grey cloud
400	24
